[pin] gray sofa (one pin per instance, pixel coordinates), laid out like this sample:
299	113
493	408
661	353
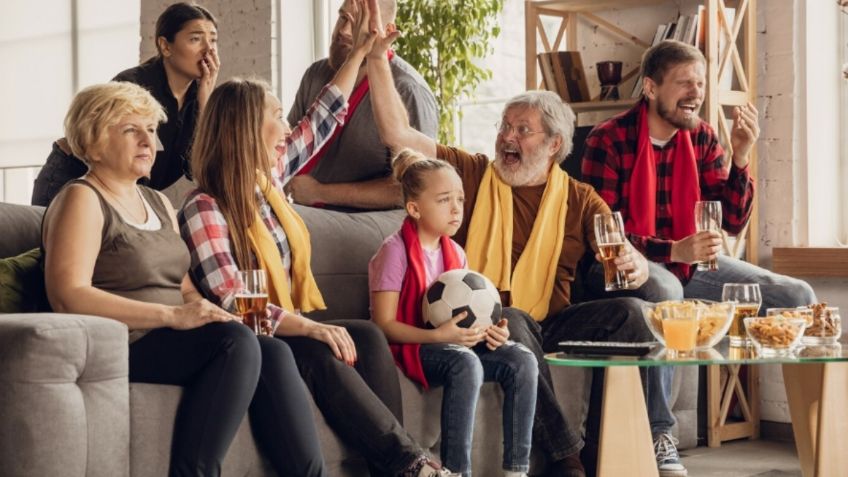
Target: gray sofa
66	407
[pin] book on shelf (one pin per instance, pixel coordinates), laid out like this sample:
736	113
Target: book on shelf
562	72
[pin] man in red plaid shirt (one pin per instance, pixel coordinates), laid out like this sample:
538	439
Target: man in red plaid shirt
653	163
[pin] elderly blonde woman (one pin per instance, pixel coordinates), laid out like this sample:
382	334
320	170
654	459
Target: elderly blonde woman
111	249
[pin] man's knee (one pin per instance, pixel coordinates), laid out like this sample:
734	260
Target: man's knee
797	293
662	285
632	322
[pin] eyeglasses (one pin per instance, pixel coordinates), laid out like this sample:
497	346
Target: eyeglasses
504	128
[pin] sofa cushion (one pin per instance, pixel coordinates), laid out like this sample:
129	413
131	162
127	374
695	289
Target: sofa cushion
22	284
21	228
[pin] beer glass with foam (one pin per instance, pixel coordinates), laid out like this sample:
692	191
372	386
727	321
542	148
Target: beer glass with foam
609	234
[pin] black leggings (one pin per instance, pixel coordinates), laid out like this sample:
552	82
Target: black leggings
219	366
360	403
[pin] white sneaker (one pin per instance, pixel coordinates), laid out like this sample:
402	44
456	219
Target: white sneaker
668	460
430	471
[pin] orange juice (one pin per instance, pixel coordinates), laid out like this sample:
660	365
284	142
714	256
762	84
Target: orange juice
680	335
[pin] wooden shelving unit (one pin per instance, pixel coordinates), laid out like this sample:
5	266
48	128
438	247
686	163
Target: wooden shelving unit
738	55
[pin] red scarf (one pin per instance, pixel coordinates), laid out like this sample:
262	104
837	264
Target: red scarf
355	98
685	190
412	291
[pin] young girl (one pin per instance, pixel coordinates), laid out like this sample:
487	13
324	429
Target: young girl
400	272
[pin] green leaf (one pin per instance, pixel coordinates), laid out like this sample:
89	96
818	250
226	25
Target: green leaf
444	40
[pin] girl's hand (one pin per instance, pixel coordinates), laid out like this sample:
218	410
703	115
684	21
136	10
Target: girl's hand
451	332
209	67
337	338
497	335
196	314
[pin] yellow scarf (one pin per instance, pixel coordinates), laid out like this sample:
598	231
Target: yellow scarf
489	244
304	295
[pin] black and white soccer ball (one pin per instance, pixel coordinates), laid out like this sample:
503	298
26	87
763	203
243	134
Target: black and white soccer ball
461	290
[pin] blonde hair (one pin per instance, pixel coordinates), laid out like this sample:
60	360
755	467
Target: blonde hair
409	168
98	107
229	152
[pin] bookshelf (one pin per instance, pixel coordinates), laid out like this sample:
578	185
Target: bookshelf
730	49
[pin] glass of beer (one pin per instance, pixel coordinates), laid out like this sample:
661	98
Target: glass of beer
251	296
708	218
748	300
609	234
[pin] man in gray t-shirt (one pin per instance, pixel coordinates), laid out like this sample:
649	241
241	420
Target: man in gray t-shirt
354	170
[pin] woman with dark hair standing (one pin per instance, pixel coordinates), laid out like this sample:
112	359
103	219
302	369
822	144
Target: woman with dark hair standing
181	77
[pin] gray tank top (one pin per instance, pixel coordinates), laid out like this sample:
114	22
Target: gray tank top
143	265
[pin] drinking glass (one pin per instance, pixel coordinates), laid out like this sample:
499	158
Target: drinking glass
609	234
748	301
708	218
251	296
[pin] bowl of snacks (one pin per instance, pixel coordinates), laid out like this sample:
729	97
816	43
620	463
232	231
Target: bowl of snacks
825	328
689	324
779	333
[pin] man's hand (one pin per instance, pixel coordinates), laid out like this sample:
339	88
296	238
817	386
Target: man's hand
746	130
699	247
305	190
632	263
209	66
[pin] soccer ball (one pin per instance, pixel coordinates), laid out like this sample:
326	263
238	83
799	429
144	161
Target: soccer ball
461	290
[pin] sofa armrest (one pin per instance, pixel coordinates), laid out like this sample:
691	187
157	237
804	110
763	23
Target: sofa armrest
64	395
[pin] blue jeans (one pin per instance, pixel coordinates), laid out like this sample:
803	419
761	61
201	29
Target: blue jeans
778	291
462	372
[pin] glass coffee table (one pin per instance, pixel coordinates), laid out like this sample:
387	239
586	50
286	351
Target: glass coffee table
816	380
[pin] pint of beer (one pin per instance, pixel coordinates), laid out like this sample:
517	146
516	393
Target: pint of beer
748	300
251	299
609	234
708	218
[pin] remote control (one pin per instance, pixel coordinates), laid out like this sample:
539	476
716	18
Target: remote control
605	348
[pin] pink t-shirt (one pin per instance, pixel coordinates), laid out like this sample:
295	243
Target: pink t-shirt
388	266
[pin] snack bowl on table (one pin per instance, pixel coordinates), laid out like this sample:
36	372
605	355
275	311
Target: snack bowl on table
825	326
779	333
689	324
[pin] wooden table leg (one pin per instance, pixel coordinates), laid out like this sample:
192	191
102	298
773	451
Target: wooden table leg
720	393
626	446
817	404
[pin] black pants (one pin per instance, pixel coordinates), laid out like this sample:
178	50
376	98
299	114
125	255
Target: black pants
361	403
224	369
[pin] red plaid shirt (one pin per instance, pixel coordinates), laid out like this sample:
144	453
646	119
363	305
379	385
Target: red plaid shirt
608	162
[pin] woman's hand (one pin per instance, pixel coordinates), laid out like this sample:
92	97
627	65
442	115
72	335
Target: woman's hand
366	26
497	335
337	338
209	67
451	332
196	314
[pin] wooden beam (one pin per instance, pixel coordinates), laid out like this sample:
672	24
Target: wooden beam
811	261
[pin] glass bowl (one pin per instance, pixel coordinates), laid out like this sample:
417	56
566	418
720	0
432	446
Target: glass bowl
775	335
825	327
706	321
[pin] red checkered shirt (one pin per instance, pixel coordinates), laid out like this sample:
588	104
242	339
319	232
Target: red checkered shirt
204	228
608	162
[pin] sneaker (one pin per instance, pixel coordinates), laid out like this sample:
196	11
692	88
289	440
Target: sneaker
668	460
431	469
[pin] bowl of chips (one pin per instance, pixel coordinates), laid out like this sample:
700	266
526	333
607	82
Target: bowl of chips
689	324
779	333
